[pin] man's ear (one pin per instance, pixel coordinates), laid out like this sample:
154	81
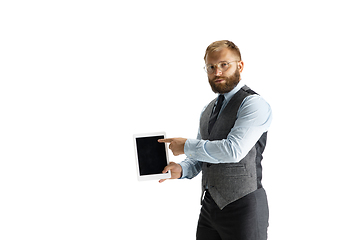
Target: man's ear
240	65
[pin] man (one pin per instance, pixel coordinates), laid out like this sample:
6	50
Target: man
228	150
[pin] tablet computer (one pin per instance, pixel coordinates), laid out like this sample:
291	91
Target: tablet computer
151	156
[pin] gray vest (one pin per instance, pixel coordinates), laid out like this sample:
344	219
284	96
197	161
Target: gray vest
228	182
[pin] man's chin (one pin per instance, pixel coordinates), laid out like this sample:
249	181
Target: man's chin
220	90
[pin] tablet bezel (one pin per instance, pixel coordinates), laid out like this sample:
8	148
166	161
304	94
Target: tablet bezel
150	176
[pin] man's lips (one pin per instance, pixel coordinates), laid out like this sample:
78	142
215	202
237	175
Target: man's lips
219	80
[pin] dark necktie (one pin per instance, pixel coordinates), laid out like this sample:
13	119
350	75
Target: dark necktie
215	114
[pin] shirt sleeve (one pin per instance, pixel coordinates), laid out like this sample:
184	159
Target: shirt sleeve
253	119
191	167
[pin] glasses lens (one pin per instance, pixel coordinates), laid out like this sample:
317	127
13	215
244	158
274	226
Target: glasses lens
223	66
209	69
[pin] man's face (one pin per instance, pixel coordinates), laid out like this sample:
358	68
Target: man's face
224	82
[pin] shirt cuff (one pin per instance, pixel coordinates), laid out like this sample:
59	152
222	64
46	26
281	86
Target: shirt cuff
190	147
184	171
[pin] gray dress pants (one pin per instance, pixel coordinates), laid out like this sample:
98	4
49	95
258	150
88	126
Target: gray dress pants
244	219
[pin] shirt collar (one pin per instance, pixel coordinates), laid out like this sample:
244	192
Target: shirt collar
230	94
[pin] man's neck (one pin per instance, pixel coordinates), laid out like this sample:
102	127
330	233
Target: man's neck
230	94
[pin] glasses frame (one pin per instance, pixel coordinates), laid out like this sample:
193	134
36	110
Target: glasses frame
217	66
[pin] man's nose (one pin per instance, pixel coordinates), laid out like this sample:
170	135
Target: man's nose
218	72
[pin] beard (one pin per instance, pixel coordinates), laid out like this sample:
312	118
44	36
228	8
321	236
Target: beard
230	83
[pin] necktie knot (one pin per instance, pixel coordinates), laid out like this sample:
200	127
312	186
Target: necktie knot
220	100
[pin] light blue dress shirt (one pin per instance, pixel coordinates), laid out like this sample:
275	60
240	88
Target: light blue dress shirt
253	119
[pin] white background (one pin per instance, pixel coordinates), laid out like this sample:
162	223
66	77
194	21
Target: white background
79	78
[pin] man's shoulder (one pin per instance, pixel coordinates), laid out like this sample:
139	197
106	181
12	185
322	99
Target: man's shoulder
254	99
256	106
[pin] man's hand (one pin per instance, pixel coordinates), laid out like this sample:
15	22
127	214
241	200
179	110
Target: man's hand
176	145
176	171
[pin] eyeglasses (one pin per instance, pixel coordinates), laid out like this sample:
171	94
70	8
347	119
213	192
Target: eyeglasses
222	66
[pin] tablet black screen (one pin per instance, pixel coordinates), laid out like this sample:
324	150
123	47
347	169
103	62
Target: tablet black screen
151	155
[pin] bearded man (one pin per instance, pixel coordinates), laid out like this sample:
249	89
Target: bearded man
228	150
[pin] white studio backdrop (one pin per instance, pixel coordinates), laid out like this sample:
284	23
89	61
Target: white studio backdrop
79	78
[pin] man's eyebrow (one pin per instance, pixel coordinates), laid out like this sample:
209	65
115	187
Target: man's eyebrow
216	63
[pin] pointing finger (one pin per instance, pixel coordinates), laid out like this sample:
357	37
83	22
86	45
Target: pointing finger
165	140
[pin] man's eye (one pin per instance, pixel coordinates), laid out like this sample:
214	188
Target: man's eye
224	65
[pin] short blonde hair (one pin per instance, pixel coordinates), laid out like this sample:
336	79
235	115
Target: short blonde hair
218	45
